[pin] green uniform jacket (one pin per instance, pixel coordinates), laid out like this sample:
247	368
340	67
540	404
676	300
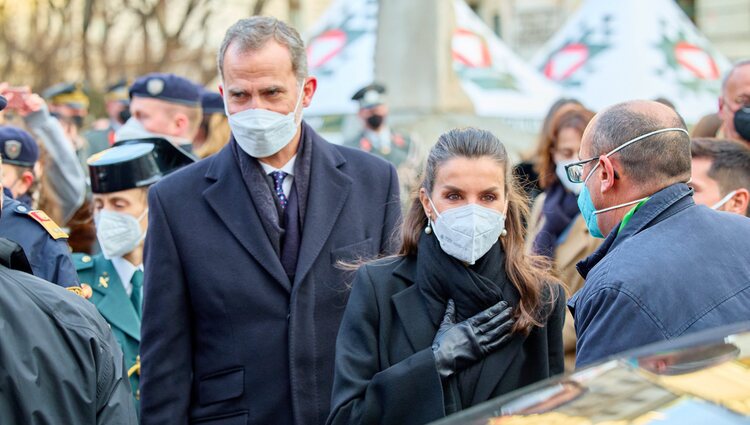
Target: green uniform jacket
110	298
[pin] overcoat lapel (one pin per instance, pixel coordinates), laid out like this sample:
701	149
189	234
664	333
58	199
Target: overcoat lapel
411	310
328	190
228	197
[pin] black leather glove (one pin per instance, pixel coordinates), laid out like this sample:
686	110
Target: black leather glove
458	346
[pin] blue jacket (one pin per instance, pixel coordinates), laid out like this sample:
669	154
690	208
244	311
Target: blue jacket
225	336
45	244
674	269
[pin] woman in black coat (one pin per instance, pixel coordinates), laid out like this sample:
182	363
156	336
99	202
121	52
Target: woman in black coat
461	315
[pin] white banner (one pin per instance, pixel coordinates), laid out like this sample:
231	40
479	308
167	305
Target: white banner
497	81
341	54
611	51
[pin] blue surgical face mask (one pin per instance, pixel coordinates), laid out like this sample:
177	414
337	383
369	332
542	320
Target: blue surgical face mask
586	204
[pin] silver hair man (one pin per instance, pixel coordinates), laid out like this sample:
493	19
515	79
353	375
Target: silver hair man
252	33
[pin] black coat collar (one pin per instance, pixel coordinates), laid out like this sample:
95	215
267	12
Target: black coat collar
420	330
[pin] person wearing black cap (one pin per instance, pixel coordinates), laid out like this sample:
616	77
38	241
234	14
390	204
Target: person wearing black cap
379	139
113	279
214	131
60	362
166	105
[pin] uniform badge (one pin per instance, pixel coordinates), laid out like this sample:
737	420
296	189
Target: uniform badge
12	149
50	226
104	280
155	86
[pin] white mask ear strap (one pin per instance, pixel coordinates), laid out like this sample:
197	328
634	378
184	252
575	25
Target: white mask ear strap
723	200
433	207
143	214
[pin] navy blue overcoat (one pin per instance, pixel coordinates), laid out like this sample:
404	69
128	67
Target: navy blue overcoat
226	337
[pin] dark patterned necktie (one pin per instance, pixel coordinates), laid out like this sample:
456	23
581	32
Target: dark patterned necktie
278	181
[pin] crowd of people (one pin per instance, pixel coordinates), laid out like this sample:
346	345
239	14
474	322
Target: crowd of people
217	261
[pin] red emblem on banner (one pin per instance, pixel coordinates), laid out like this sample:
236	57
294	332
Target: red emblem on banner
470	49
696	60
325	47
566	61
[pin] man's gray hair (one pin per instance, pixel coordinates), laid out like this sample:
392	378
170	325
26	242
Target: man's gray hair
738	64
253	33
661	158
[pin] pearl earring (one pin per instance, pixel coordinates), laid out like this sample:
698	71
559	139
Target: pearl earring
428	229
503	233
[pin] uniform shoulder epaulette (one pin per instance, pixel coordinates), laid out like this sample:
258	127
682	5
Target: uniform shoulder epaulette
83	291
43	219
84	265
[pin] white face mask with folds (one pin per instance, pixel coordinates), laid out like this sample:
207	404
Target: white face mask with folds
467	232
118	233
262	133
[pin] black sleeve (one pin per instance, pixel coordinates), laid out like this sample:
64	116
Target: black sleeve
409	391
555	334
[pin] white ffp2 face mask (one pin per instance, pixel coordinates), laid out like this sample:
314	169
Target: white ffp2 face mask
262	133
118	233
467	232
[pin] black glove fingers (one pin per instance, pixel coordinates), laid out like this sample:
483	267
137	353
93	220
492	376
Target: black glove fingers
503	316
449	318
497	308
497	344
498	331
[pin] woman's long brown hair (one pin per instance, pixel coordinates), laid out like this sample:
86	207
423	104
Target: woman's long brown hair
529	274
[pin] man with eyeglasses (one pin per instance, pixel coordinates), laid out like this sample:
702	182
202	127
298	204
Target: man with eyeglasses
734	103
667	266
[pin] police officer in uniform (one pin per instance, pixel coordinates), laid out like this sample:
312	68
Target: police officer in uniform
69	103
48	322
120	178
379	139
166	105
57	336
20	153
44	242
